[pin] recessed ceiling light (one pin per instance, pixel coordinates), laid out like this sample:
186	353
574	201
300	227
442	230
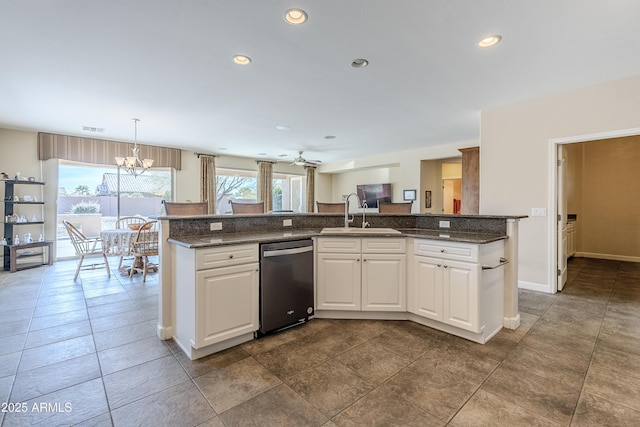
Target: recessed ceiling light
359	63
241	59
490	41
330	137
283	127
295	16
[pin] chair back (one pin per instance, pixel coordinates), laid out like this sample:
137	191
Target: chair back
125	221
388	207
247	208
145	242
82	244
186	208
330	207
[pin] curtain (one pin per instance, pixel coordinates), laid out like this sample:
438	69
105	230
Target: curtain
311	188
101	151
265	184
208	182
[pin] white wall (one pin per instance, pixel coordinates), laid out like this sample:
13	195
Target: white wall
515	146
402	167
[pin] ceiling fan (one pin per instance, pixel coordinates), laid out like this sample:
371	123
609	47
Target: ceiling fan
301	161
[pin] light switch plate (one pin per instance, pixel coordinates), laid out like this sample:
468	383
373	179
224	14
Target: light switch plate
538	211
287	223
215	226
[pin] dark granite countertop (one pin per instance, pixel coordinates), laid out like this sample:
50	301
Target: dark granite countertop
223	239
454	236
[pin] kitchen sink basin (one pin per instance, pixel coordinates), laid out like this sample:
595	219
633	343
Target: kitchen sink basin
354	230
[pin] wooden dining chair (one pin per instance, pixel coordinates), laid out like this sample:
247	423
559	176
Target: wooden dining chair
128	222
322	207
246	208
86	247
186	208
144	245
388	207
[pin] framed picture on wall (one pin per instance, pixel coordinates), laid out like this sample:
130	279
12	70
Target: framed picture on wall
427	199
409	194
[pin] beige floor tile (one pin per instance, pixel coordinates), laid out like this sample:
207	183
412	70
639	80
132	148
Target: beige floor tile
330	387
434	390
546	397
291	358
613	386
383	407
180	405
485	409
235	384
373	361
618	361
279	406
594	411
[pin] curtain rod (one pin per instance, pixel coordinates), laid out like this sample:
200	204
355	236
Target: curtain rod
205	154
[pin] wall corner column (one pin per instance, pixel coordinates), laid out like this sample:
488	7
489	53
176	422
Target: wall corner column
165	274
511	313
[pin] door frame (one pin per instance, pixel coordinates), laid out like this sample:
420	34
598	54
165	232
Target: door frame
553	190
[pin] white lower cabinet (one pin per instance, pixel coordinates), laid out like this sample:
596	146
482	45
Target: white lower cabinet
226	303
454	289
225	294
447	291
361	274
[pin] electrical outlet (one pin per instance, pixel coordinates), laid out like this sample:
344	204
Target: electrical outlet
444	224
538	211
287	223
215	226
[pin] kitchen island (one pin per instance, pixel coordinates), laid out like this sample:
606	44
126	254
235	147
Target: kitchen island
209	279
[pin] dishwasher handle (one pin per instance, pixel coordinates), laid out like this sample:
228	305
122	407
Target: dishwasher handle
283	252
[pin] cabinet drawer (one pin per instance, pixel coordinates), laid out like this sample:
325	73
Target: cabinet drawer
340	244
226	256
446	250
384	246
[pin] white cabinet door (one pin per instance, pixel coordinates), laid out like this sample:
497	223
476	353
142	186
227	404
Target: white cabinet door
226	303
338	286
460	297
383	282
428	292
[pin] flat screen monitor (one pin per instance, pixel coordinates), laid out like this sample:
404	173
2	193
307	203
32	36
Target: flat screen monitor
373	193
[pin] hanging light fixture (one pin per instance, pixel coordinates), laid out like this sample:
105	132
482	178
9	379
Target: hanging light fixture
133	164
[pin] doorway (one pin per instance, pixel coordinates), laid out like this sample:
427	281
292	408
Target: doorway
451	195
603	207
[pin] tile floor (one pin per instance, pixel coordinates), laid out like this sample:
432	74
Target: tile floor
86	353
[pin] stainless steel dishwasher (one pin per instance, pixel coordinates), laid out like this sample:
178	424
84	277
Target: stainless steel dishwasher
286	284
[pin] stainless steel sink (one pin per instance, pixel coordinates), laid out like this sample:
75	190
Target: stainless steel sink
354	230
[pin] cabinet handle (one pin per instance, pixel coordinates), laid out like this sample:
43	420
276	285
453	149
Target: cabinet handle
364	260
442	250
446	266
358	259
230	256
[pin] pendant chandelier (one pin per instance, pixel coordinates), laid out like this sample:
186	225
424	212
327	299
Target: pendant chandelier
133	164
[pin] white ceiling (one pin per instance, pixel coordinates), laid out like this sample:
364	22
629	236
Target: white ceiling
65	64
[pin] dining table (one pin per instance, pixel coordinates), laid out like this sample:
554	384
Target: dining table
119	242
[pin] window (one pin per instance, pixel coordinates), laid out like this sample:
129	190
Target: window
88	197
234	184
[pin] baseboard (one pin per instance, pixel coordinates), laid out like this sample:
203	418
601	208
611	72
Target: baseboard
611	257
538	287
512	322
164	333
